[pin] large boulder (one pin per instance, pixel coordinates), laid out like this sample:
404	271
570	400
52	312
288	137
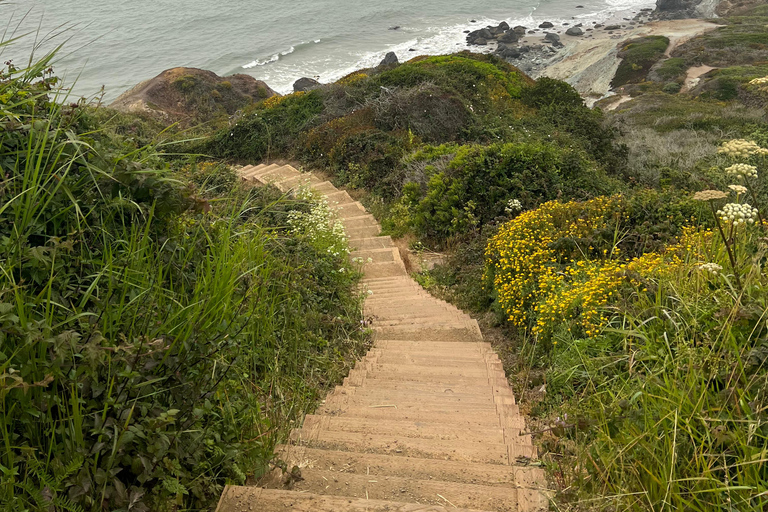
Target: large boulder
553	38
480	37
508	52
390	60
191	95
509	37
305	84
520	30
546	24
574	31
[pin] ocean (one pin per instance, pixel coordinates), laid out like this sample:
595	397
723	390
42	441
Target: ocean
116	44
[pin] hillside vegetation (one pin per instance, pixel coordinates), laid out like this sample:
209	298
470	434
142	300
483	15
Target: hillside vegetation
161	326
616	259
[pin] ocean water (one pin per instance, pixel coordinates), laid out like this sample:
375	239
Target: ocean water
117	43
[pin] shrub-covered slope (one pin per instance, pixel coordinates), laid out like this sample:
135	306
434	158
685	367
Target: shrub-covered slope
160	327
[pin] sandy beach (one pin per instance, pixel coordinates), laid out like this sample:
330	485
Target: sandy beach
589	62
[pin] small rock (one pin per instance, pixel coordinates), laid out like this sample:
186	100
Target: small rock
574	31
305	84
396	27
520	30
504	26
611	27
552	38
390	60
579	6
546	24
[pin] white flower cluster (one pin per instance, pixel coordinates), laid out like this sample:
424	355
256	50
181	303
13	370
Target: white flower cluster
739	189
319	224
360	260
740	148
712	268
513	205
742	170
738	213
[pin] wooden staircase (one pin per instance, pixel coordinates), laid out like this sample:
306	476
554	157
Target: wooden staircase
426	421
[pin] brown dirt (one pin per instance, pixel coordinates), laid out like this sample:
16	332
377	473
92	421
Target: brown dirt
426	421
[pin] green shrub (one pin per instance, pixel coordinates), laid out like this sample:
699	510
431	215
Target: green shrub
156	338
638	56
672	68
480	181
671	88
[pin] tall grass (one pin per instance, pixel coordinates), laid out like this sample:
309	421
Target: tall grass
159	333
663	406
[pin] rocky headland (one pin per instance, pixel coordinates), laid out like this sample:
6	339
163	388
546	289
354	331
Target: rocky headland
190	95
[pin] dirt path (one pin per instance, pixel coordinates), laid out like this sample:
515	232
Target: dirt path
693	77
619	101
425	422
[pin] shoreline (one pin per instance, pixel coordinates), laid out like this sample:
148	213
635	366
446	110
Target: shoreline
589	61
589	65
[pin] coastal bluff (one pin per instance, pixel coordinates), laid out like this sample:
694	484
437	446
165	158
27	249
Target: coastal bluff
189	95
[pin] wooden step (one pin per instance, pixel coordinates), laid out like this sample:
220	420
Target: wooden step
519	477
256	499
375	242
425	421
396	488
463	450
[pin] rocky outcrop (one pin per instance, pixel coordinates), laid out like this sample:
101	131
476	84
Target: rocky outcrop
682	9
390	60
553	39
191	95
502	34
305	84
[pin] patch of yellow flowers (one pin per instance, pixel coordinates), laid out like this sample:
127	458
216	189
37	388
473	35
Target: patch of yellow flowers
533	286
275	100
353	78
521	255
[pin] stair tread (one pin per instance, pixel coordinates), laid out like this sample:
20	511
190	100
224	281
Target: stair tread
426	421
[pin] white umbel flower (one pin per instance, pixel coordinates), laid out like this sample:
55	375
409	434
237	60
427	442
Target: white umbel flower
740	148
739	189
513	205
742	171
738	213
712	268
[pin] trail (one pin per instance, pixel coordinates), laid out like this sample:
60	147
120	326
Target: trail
426	421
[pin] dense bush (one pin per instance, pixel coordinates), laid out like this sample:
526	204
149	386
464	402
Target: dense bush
638	57
158	330
362	127
480	182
